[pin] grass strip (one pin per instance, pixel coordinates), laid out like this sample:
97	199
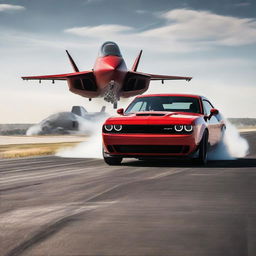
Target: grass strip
34	149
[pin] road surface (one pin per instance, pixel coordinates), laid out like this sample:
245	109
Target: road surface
66	206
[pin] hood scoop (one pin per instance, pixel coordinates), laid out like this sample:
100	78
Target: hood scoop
150	114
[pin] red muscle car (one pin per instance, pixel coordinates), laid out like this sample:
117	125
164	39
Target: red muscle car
163	125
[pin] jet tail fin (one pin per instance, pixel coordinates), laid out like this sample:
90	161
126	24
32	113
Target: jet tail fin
136	62
72	62
103	109
79	110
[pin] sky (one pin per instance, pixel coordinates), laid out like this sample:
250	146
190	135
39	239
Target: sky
212	41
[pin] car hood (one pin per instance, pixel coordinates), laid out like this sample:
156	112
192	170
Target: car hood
155	117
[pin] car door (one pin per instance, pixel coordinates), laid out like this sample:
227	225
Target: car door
214	125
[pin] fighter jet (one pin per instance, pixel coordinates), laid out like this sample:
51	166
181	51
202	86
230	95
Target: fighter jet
78	121
109	78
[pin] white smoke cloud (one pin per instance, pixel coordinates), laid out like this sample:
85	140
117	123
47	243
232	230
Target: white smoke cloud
233	145
34	130
62	123
92	148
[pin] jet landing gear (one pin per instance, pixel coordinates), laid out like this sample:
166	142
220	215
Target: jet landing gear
111	94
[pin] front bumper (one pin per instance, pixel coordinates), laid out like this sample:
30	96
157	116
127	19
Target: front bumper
135	145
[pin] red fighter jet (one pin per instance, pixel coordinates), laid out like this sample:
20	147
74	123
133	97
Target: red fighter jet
109	78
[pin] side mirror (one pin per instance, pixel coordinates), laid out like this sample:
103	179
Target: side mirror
120	111
214	111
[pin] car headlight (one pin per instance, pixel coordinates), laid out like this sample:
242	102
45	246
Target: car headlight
108	127
178	127
188	128
118	127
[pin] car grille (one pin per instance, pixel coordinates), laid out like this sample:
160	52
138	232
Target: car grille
149	129
171	149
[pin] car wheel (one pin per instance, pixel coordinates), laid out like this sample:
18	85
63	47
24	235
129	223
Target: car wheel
112	160
203	149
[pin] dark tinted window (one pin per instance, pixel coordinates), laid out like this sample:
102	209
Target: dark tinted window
110	49
165	103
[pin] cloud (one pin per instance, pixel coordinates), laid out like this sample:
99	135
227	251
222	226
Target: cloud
92	1
181	31
10	39
184	30
205	27
244	4
11	8
141	11
99	31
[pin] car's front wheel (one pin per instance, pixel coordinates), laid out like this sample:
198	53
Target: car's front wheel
203	149
111	160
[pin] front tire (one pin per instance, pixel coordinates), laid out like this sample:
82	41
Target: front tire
112	160
203	149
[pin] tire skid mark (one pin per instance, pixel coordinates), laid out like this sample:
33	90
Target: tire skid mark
35	168
38	236
100	196
9	163
50	229
54	174
53	228
36	173
19	187
23	160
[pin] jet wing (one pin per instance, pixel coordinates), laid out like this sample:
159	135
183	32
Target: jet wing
164	77
56	77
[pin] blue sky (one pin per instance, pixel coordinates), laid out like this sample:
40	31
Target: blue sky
213	41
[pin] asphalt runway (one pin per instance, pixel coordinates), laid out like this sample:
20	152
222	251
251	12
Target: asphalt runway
65	206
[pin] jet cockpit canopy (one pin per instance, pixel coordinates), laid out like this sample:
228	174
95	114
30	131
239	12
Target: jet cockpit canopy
110	49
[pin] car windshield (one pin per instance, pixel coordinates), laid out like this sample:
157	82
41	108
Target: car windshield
110	49
164	103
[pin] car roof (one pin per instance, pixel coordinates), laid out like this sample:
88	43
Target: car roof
170	94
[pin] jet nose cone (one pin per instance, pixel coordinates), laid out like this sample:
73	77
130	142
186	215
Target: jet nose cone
112	62
109	68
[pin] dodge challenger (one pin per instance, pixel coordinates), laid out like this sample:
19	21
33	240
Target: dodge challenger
163	126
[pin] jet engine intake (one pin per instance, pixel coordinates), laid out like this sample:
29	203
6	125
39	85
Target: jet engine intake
135	82
85	82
